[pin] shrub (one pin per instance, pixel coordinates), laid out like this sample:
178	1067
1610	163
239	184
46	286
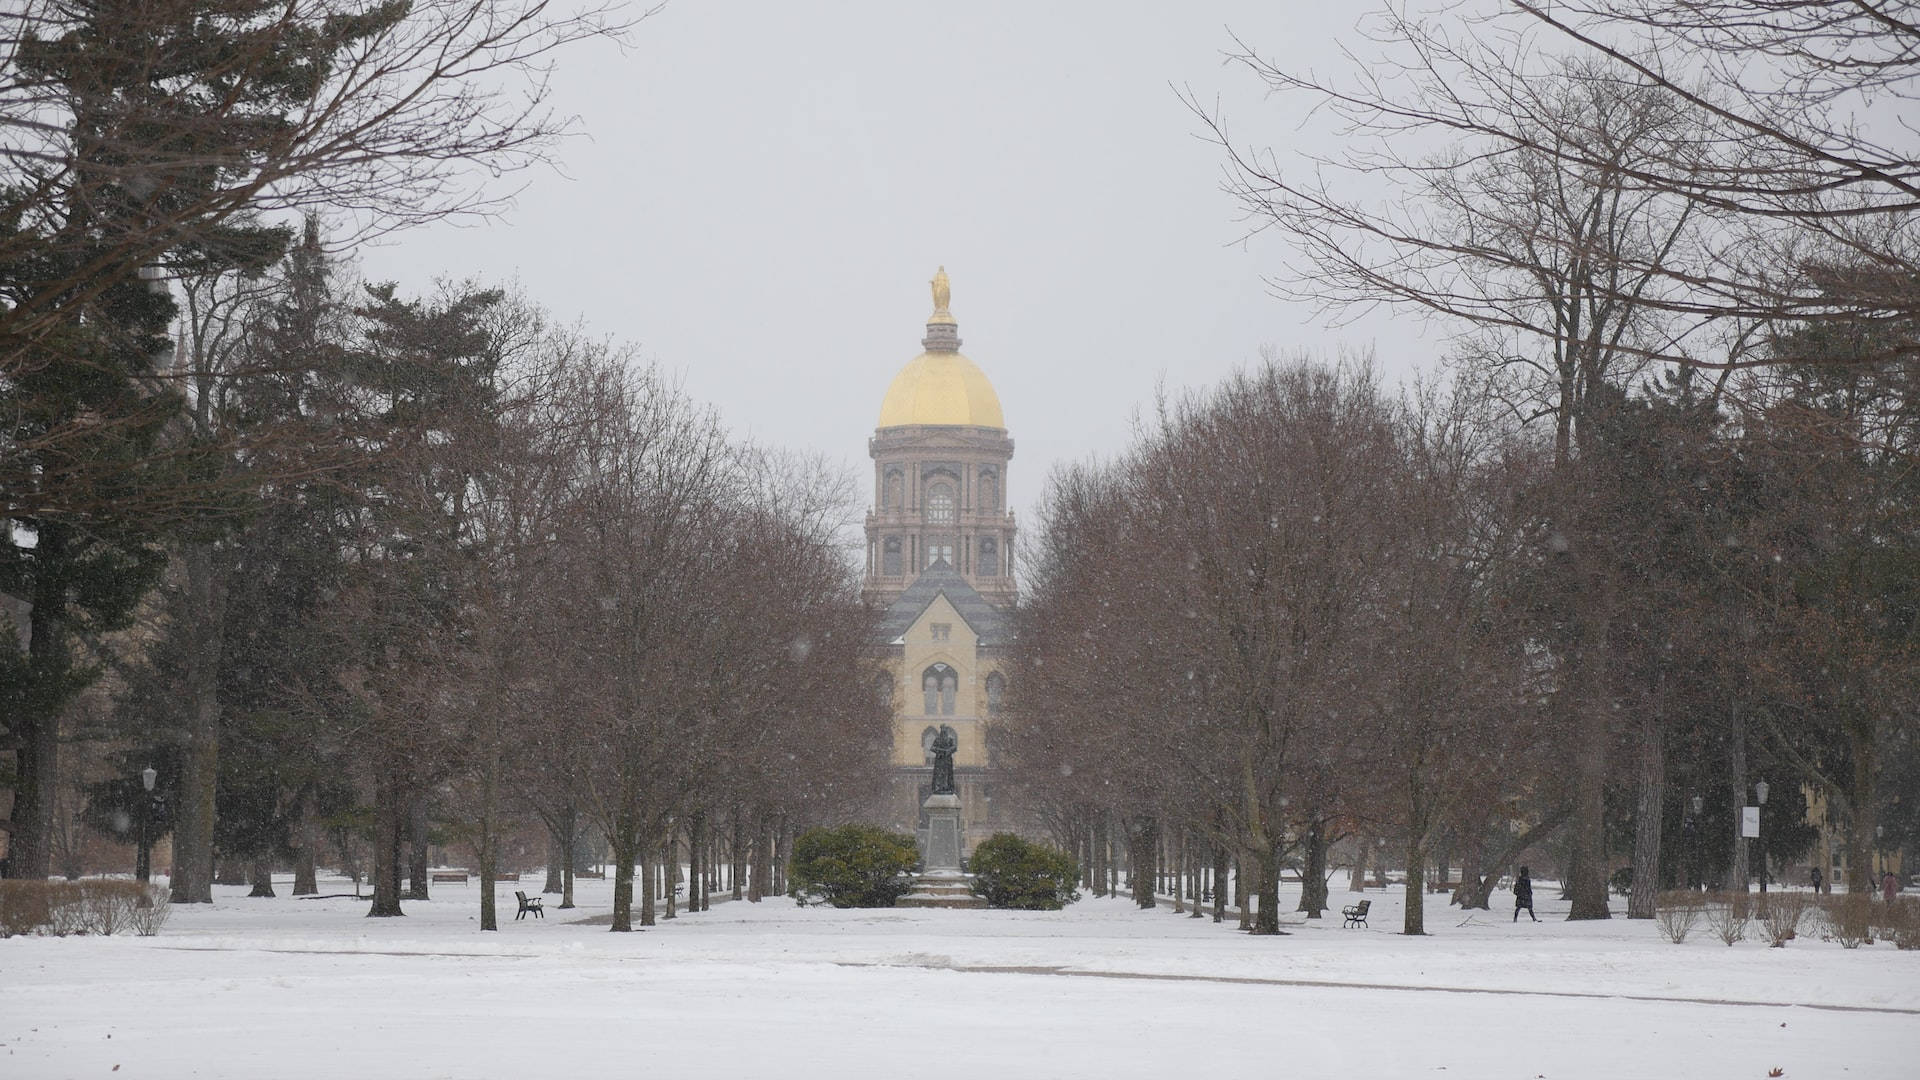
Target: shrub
1678	913
1780	920
1009	872
852	866
1727	916
66	908
1903	923
1847	920
24	907
148	918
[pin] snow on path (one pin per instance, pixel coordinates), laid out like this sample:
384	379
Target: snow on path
309	988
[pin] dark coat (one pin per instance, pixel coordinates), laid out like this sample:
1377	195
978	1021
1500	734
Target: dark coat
1523	892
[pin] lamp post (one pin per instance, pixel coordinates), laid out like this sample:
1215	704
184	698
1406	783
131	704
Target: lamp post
143	859
1759	849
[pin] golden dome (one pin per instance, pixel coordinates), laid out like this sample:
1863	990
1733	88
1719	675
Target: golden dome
941	388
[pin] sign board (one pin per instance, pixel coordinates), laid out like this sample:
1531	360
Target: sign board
1750	822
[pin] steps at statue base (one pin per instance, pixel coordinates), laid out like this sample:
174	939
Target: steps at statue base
940	891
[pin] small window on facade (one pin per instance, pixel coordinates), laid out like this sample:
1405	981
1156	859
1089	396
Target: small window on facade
883	690
942	631
989	489
926	748
940	505
940	551
996	692
989	559
893	491
891	563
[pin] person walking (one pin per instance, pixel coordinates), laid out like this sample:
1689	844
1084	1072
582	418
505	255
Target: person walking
1889	885
1523	896
1815	875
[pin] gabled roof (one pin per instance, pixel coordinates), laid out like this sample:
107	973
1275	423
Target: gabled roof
988	623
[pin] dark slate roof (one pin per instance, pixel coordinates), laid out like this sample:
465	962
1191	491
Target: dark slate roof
989	623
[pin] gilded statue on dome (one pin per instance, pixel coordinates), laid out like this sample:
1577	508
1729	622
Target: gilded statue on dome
942	292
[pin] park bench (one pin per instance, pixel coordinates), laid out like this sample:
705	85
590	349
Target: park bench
528	903
1442	886
1355	914
459	876
597	875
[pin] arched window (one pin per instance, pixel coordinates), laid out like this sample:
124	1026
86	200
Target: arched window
893	490
989	559
939	685
989	488
890	561
940	550
926	742
940	505
996	692
883	690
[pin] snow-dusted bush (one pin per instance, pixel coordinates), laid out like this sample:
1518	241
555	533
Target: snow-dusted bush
1780	918
1848	920
1677	913
1009	872
148	918
1727	916
852	866
23	907
108	904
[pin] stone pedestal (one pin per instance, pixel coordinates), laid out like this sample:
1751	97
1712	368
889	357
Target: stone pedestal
944	838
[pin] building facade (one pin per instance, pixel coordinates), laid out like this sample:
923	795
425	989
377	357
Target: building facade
941	562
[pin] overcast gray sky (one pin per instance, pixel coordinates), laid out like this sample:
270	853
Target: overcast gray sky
763	190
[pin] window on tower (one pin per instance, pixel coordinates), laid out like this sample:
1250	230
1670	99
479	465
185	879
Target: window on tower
891	562
989	559
940	505
892	491
940	551
938	686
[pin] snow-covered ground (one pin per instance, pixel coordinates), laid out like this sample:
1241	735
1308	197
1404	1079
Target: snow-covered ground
309	988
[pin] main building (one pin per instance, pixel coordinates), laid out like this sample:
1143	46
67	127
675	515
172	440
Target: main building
940	560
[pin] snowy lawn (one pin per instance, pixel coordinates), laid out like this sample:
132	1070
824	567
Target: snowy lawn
309	988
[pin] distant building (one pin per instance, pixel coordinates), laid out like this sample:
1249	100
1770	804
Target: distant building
940	560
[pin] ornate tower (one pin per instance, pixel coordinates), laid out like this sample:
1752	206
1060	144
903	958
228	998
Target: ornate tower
940	561
940	458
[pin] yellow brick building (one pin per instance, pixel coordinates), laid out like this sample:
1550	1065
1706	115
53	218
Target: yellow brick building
940	560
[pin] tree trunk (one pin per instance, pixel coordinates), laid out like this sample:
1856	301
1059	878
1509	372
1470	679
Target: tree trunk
696	863
624	855
1642	895
738	852
647	869
1415	922
1142	843
1241	900
556	866
37	724
306	834
417	860
388	831
1862	834
1267	920
1313	877
1470	879
1357	877
200	738
262	876
1219	882
1591	712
